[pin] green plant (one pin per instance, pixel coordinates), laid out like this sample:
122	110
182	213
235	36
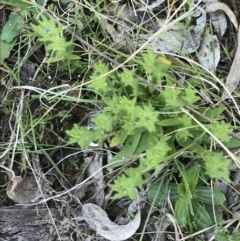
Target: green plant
56	46
9	35
149	121
63	1
222	234
154	108
194	203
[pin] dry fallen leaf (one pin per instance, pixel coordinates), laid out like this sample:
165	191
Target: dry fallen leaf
213	6
99	221
95	170
233	78
23	191
150	6
219	22
209	52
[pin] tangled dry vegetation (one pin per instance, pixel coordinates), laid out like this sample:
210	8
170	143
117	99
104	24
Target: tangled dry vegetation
119	120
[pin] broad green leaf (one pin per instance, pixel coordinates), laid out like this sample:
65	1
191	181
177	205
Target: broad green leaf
190	145
26	5
73	57
206	195
184	187
181	189
159	196
128	150
170	122
216	213
143	143
201	217
182	211
154	193
174	194
5	49
193	81
63	1
12	28
215	113
192	177
232	143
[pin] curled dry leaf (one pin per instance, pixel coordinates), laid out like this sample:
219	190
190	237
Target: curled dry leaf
214	6
95	170
122	15
219	22
233	78
99	221
23	191
209	52
179	38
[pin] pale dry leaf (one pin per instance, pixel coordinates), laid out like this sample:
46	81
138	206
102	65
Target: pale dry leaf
233	77
134	205
209	52
173	41
117	22
23	191
118	34
95	170
178	37
123	12
161	226
201	19
150	6
219	22
99	221
214	6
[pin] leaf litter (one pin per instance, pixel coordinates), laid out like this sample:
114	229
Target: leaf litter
177	37
99	221
188	40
